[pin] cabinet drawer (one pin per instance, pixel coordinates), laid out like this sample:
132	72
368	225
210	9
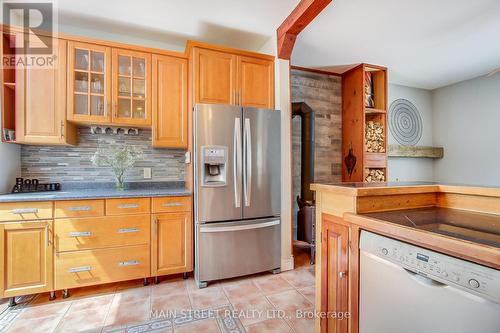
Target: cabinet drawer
101	232
79	208
128	206
84	268
171	204
19	211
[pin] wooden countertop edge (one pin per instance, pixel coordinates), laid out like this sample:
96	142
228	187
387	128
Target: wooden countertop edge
480	254
410	189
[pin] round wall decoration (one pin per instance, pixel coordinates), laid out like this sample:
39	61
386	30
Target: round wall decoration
405	122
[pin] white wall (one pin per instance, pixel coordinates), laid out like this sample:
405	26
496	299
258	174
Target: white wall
467	124
10	166
413	169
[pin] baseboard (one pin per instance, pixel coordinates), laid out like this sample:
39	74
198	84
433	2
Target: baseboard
287	264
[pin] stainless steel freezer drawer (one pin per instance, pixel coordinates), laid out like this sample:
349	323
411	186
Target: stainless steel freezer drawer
229	249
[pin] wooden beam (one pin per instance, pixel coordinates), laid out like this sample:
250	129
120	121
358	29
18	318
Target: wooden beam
298	19
415	151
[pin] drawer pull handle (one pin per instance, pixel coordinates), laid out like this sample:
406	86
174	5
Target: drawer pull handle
24	211
129	263
128	206
80	269
127	230
80	234
172	204
80	209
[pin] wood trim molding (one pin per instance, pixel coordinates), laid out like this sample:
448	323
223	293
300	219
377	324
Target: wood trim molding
314	70
298	19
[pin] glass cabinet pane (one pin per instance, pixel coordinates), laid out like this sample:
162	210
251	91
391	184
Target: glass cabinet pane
97	61
139	67
82	59
138	109
97	85
124	86
123	107
124	65
81	82
97	105
139	88
81	104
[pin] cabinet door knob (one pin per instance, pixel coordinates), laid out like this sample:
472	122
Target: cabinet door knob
342	275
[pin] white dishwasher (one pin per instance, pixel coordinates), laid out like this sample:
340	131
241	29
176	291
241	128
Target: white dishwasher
406	288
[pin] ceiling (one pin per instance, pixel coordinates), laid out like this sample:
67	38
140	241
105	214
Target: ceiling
424	43
244	24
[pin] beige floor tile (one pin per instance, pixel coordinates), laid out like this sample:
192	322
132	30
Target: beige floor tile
100	303
203	326
208	298
290	301
270	326
101	289
123	313
302	325
169	288
241	289
299	278
272	284
44	310
176	303
132	295
90	320
309	293
191	285
43	324
253	309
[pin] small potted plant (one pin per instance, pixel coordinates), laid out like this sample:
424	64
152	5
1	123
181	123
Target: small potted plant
119	158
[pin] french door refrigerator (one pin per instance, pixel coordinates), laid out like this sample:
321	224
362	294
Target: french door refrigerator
237	191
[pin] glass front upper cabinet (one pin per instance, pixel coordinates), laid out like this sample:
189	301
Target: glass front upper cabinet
131	88
89	83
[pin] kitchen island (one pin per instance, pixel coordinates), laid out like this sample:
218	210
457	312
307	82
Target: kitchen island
344	210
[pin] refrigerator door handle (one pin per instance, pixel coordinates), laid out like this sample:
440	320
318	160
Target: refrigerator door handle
204	229
247	182
237	162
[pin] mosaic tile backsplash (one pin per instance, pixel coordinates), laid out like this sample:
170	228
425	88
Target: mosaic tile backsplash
72	164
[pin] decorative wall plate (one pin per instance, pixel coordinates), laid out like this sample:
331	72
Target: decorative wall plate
405	122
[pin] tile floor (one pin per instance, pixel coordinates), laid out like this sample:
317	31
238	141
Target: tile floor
260	303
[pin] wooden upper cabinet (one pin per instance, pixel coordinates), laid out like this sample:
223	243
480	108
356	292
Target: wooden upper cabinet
214	77
131	88
170	114
171	245
256	82
89	83
27	258
41	105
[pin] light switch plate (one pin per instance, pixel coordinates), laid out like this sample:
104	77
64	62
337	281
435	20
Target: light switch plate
147	173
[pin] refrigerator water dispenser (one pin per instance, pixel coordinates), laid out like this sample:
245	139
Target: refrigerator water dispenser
214	161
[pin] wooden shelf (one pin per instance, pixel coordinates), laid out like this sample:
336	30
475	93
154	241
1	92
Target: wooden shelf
10	85
416	152
374	111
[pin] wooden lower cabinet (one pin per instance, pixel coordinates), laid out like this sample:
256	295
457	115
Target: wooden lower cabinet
27	258
91	267
171	243
335	270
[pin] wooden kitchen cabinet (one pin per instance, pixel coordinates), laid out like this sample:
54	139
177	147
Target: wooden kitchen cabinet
27	258
256	82
335	265
89	83
131	75
228	77
214	77
171	243
170	110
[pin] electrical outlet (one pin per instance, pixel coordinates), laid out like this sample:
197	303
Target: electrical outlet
147	173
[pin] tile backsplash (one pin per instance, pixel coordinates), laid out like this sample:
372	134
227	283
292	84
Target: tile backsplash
72	164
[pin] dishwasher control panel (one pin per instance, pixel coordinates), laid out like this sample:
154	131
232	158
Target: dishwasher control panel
437	266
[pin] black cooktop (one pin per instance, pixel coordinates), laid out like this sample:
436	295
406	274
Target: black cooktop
470	226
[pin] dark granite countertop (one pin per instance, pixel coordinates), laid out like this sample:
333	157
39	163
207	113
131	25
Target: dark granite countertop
75	191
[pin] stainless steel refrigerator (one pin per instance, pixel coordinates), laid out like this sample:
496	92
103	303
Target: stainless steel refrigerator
237	191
